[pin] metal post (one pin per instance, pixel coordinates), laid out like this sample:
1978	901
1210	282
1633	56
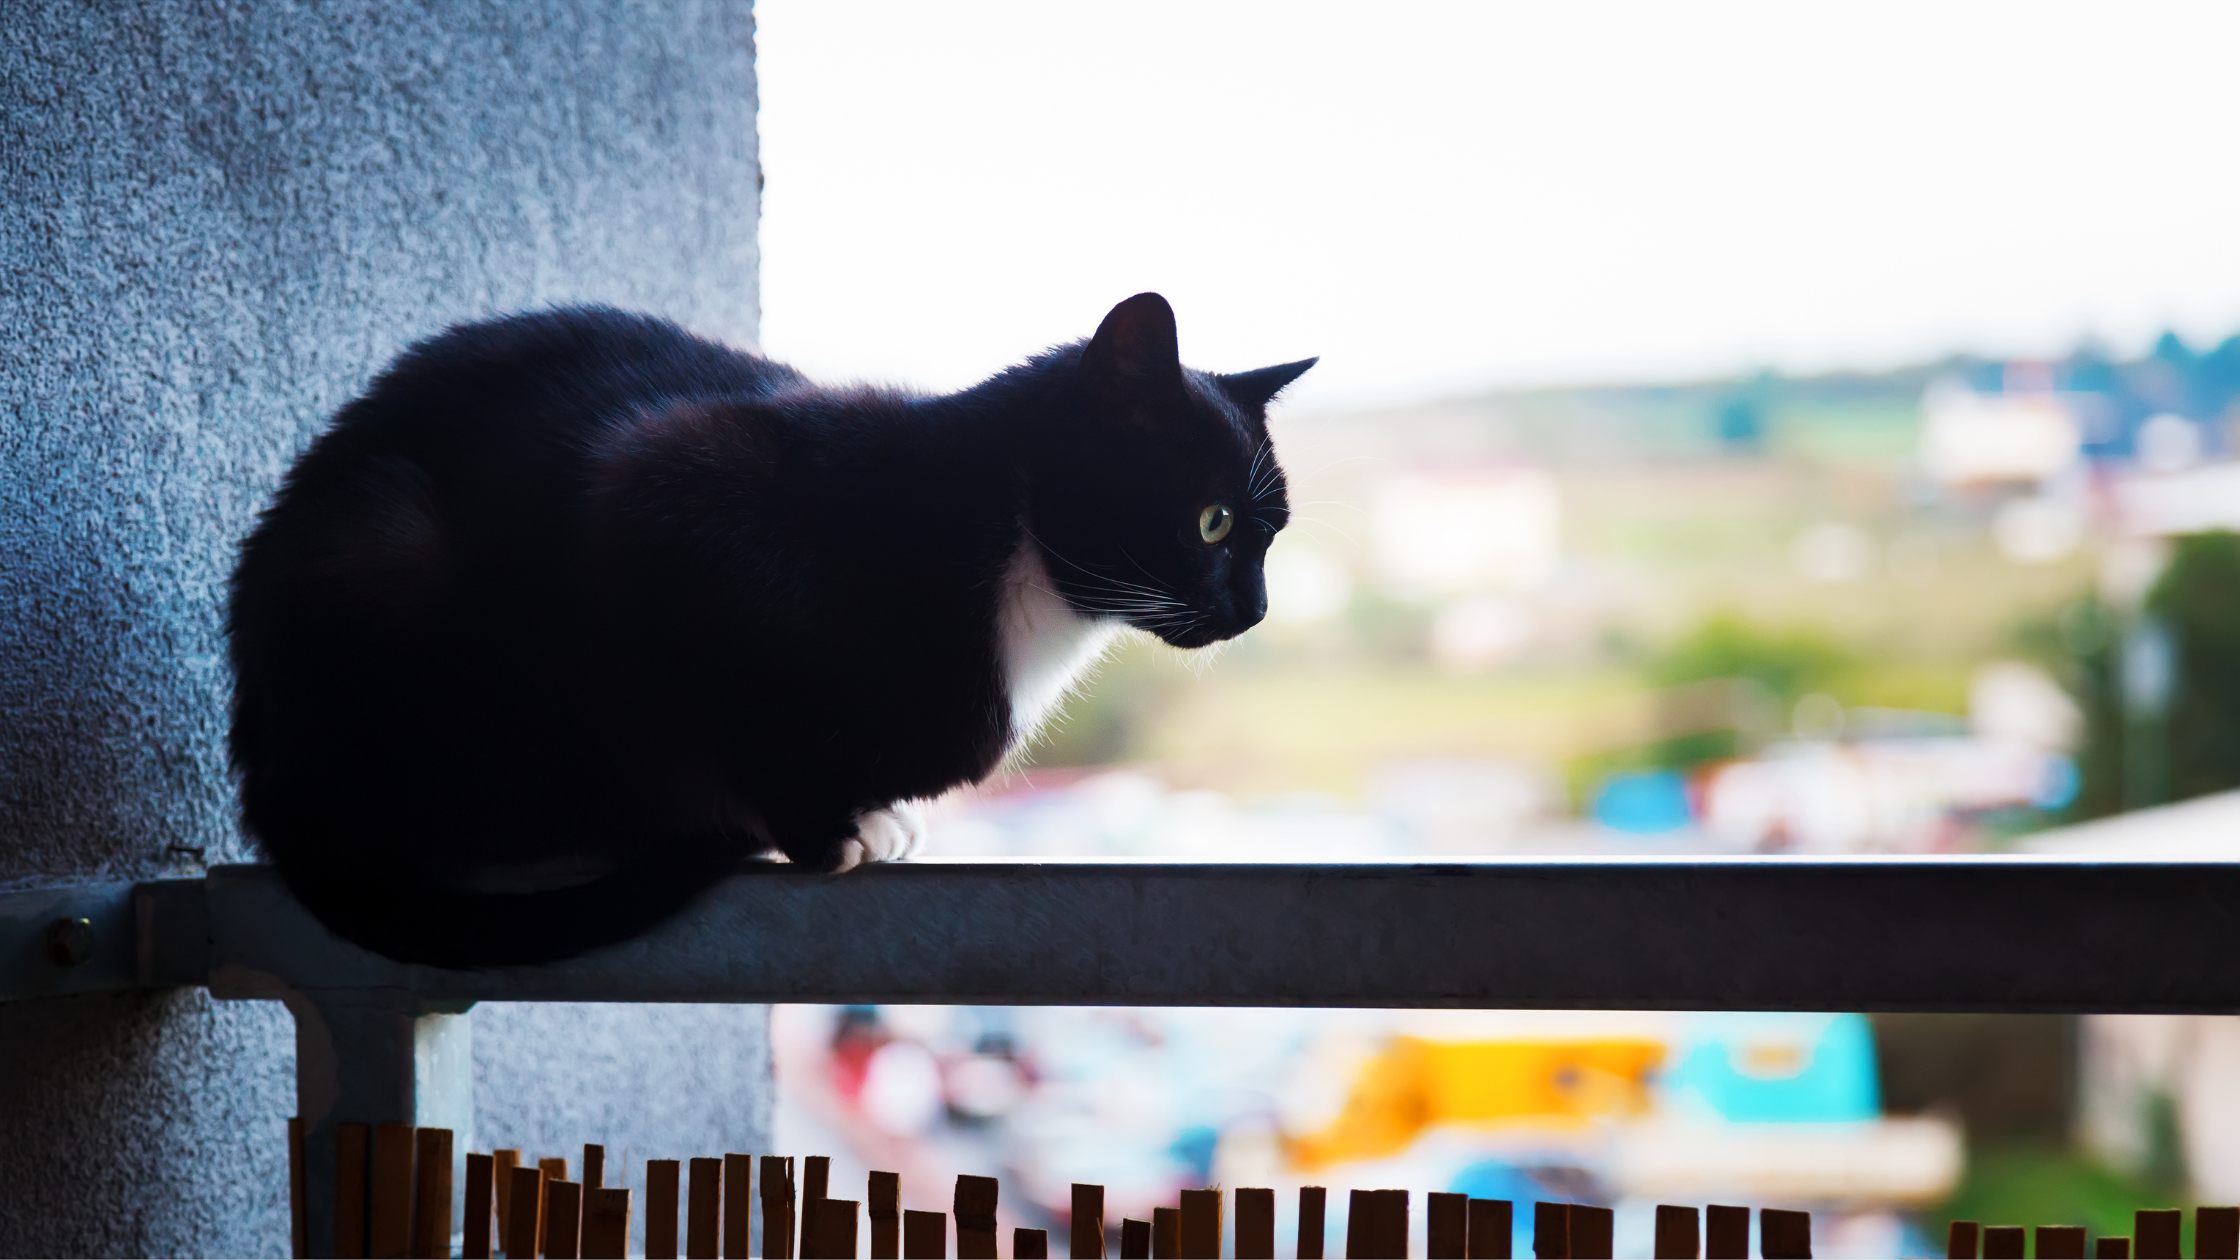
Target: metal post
377	1056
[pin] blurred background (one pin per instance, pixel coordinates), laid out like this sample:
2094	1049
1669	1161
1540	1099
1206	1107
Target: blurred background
1740	429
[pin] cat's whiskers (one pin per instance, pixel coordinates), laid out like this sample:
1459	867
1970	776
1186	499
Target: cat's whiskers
1137	589
1161	607
1148	607
1340	530
1114	588
1154	608
1254	486
1152	616
1143	614
1137	603
1158	588
1139	567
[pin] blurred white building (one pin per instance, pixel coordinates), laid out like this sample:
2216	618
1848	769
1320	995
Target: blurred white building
1969	437
1879	793
1446	532
2130	1067
1870	796
2186	501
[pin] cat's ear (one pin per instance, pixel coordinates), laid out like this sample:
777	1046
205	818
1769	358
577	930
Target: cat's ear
1253	390
1134	350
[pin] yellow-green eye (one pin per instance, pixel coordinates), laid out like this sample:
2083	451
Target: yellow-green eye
1215	523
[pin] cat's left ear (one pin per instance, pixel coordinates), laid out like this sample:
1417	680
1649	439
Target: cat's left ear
1134	352
1255	389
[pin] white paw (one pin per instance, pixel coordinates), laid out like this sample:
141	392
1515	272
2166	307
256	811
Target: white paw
884	835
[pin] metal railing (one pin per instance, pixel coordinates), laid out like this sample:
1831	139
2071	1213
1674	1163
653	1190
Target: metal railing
383	1042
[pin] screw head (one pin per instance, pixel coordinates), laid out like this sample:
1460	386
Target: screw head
70	942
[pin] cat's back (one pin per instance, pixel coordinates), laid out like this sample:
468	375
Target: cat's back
471	451
446	499
423	556
545	381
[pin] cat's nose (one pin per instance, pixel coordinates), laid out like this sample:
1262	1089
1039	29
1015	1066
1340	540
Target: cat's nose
1251	601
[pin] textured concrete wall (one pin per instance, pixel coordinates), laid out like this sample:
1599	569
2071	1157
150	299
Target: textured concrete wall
216	221
710	1093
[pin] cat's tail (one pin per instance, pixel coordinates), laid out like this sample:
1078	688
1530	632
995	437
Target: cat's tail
415	921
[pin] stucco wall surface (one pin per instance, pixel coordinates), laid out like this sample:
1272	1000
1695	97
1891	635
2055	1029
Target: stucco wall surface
708	1093
216	222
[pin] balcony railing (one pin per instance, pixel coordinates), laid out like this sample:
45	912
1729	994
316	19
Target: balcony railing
382	1042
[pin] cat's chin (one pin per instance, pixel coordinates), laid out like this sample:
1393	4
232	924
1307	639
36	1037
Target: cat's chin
1194	637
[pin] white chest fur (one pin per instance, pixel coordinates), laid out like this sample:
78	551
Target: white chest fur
1044	645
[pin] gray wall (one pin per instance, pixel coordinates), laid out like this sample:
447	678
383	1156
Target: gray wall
219	220
707	1091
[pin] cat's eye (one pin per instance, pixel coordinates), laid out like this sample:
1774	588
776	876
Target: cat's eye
1215	523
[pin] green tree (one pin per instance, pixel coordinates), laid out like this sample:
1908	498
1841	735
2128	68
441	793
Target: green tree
2198	600
1787	663
2193	745
2082	649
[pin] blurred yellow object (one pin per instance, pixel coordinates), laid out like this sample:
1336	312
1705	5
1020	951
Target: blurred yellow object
1416	1084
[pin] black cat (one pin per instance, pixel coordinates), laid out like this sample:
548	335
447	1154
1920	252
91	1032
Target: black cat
572	612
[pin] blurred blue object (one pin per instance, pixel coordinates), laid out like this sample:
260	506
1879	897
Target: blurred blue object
1644	802
1496	1179
1193	1149
2059	789
1499	1179
1796	1069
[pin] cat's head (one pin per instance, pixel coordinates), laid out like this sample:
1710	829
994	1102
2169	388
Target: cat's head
1166	491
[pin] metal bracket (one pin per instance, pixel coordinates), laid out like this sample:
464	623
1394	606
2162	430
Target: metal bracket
103	918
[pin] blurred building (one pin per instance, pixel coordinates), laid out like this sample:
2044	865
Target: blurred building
1903	795
1969	436
1878	780
1452	531
2161	1093
2189	500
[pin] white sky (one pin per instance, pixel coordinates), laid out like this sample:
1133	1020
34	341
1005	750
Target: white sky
1442	197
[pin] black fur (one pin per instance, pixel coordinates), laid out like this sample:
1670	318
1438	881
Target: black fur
578	598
